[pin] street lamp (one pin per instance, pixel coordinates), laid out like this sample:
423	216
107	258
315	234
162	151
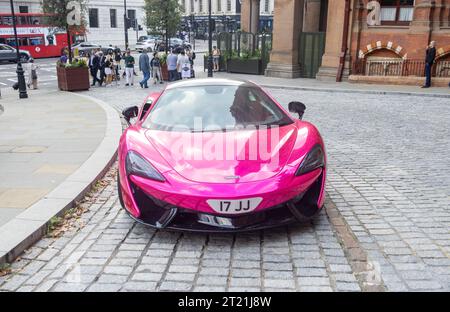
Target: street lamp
210	57
20	77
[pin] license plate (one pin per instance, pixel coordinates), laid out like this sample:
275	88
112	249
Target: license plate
225	206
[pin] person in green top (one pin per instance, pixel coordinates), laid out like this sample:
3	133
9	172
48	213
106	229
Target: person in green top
129	68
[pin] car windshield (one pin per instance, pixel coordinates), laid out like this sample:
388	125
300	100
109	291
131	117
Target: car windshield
214	108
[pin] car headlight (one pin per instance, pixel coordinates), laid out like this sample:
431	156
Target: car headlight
313	160
135	164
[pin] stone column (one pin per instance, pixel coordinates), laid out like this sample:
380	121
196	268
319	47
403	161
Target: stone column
250	9
311	23
288	21
333	44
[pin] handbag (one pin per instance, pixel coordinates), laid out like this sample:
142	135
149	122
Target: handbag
33	74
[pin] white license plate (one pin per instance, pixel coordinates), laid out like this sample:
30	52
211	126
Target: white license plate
225	206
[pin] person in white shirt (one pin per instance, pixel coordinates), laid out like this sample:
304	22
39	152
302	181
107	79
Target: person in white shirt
184	65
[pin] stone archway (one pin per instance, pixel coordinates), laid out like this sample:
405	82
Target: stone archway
443	52
382	45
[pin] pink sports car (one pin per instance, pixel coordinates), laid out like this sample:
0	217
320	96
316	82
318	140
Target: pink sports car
219	155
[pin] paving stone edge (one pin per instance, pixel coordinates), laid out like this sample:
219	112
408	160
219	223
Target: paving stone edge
28	227
368	279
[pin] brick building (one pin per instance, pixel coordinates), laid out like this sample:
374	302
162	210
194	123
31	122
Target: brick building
360	40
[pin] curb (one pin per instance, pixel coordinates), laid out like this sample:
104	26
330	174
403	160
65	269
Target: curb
376	92
31	225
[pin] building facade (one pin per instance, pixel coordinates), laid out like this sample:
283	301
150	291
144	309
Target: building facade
225	13
105	20
370	41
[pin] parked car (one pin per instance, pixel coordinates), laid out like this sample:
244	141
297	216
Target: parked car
169	179
86	47
147	42
174	44
9	54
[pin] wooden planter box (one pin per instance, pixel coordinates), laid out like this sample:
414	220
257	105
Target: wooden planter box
164	72
72	79
253	67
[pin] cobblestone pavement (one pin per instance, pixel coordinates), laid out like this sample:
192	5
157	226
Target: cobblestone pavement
388	177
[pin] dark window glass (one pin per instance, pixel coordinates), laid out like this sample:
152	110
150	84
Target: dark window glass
23	9
113	17
214	108
93	18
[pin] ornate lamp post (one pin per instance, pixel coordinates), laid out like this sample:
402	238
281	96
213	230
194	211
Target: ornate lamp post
20	76
210	57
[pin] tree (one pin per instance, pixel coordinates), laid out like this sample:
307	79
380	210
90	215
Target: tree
66	14
163	17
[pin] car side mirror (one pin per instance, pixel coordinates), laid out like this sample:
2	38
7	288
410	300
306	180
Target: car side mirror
130	112
297	107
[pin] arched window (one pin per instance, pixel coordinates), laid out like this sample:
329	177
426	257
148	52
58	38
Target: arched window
396	12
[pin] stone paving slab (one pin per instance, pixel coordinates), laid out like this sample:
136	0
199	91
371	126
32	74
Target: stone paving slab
27	172
118	254
71	181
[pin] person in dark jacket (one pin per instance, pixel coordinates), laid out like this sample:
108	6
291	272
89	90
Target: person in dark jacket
144	67
101	67
429	61
93	66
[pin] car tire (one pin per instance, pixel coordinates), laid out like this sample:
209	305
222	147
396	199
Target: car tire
119	190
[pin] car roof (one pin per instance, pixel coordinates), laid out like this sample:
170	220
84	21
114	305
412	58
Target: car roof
211	82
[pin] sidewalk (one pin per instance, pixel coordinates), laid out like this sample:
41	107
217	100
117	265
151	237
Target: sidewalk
330	86
324	86
46	141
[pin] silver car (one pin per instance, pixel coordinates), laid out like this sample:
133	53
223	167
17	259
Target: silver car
9	54
147	43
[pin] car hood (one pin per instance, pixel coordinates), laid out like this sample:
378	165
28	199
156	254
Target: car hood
226	157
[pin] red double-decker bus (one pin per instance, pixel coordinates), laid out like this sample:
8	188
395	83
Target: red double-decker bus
34	35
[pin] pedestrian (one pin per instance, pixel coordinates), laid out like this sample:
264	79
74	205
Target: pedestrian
93	66
63	59
429	61
144	67
129	68
32	74
172	59
117	59
216	59
156	68
101	67
191	54
184	66
109	61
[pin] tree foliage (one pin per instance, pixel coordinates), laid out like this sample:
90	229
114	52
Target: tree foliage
163	16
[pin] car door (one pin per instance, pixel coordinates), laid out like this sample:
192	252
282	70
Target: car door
7	53
2	53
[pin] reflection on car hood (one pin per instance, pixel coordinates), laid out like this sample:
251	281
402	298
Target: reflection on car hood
219	157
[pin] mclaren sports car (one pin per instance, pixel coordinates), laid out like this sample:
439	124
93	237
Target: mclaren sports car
219	155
